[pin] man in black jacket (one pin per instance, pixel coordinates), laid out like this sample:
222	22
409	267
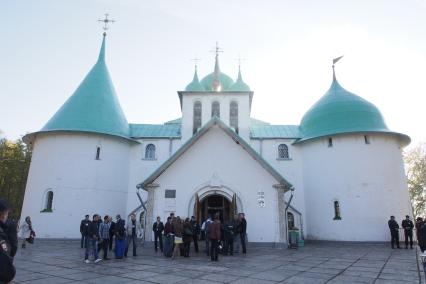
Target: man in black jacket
12	234
394	230
84	230
158	228
195	232
7	270
111	232
408	226
93	238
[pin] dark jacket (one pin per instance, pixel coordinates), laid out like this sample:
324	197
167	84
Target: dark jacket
168	229
196	229
187	228
112	229
12	234
243	225
228	230
84	227
120	228
7	270
214	233
407	225
158	228
393	226
94	230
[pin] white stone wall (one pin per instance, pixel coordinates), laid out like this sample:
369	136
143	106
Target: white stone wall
216	162
66	164
140	168
290	169
206	99
368	180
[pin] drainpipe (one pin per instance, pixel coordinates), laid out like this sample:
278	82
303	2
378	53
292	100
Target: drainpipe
285	215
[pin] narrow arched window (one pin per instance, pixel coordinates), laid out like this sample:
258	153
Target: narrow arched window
337	211
48	201
98	153
216	109
197	117
290	220
330	142
150	152
283	151
233	115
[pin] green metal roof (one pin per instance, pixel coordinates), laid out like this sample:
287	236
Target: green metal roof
274	131
239	85
195	85
93	107
225	82
340	111
240	141
167	130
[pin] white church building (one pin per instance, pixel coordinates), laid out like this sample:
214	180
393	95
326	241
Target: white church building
338	175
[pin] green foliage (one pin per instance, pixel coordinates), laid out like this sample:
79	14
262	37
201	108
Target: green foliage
415	163
15	158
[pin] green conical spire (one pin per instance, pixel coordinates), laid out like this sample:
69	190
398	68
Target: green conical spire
93	107
195	85
239	85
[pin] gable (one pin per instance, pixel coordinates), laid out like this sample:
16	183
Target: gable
217	144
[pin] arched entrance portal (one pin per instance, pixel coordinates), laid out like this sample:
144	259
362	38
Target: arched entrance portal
213	204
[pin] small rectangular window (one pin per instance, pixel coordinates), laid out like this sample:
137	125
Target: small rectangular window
337	211
330	142
366	139
98	153
170	193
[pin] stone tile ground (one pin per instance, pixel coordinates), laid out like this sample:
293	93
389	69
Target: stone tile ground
318	262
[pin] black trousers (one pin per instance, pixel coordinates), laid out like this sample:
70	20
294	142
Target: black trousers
195	239
408	235
243	241
395	239
214	249
158	237
186	246
104	245
229	246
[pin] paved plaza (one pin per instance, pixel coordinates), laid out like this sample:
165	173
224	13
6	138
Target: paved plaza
318	262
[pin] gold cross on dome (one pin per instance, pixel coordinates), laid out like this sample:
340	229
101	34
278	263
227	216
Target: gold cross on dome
217	49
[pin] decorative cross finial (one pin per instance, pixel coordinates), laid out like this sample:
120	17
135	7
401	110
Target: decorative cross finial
196	60
217	49
335	60
106	21
239	59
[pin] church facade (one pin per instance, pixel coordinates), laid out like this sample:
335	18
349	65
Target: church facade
338	175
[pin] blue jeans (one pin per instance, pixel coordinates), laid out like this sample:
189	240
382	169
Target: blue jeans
91	246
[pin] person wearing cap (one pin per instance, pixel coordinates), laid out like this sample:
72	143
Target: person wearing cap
394	230
84	230
7	269
408	226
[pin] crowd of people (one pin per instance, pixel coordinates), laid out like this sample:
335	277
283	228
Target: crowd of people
173	238
408	227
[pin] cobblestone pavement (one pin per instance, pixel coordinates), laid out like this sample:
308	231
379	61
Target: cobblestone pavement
318	262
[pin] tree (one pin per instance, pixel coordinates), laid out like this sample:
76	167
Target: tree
15	158
415	163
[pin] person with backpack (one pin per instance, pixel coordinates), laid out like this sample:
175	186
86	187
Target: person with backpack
206	228
7	269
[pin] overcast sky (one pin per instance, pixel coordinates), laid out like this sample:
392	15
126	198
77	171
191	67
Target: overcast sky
47	48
